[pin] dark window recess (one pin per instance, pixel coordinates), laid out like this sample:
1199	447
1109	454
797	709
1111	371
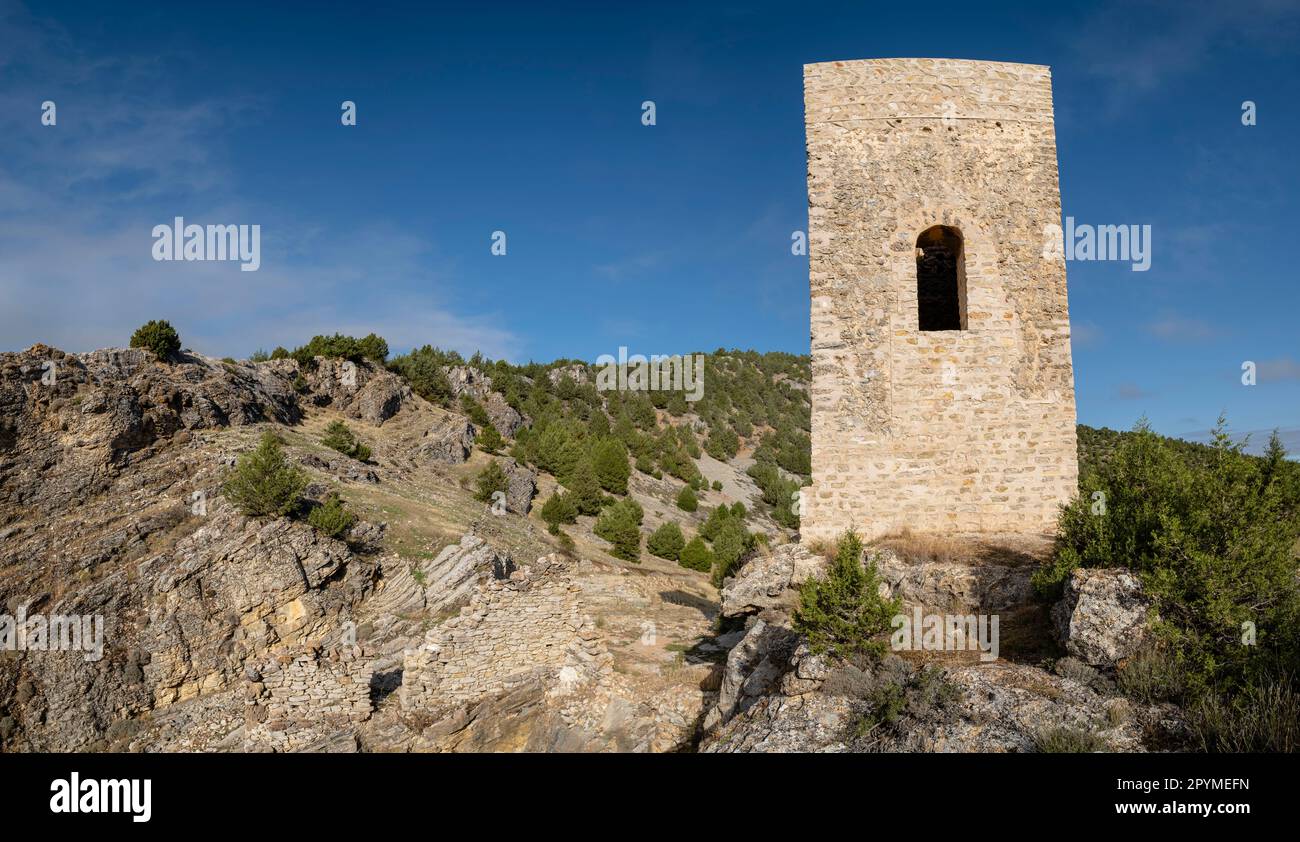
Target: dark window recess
940	279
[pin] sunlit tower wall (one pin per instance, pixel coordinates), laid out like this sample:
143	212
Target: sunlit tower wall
942	387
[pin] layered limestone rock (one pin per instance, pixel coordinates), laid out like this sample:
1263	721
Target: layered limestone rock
69	423
522	486
275	581
449	441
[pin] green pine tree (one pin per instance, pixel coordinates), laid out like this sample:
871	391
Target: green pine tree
611	465
666	542
264	483
843	613
491	480
331	518
585	487
559	509
696	556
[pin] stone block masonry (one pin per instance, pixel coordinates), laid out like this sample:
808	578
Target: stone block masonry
936	166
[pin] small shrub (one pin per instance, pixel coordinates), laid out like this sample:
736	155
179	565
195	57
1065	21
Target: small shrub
331	518
1065	740
264	483
713	525
717	485
558	509
730	545
489	440
1263	718
612	470
584	485
686	499
843	612
338	346
424	369
157	336
489	481
339	437
620	524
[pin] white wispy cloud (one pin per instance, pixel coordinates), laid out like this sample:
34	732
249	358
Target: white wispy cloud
1175	328
1138	48
1085	334
1131	392
1273	371
78	202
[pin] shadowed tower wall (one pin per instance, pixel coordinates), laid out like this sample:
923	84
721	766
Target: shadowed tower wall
932	184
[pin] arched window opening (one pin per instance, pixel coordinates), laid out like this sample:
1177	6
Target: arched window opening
940	279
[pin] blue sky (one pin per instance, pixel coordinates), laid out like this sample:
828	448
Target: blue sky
526	119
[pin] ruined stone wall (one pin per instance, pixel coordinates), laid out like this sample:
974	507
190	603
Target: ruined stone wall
291	698
959	431
514	630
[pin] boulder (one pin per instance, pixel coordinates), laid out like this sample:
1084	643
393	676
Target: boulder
1102	616
522	486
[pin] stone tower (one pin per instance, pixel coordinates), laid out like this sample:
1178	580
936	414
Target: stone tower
942	388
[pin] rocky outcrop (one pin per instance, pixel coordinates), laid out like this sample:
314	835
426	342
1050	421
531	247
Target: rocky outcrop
770	581
467	380
776	695
1102	617
504	417
575	372
954	585
342	468
754	668
70	423
449	441
997	707
237	587
522	486
359	390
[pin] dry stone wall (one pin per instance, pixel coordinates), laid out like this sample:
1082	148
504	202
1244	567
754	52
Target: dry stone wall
959	431
291	699
522	628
